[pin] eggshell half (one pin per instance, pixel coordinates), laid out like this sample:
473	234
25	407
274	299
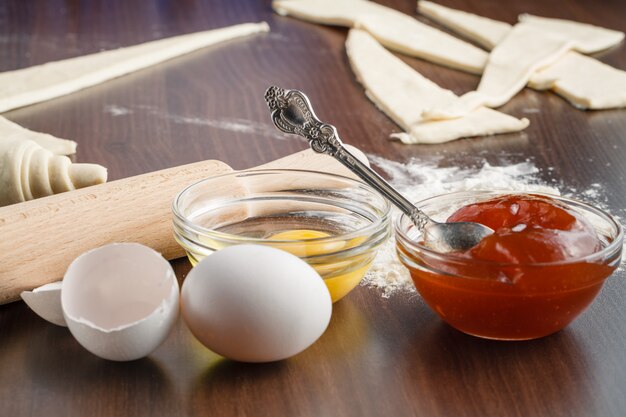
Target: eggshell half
254	303
45	301
120	301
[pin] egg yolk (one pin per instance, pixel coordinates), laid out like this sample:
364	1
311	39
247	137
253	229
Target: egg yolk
304	248
340	275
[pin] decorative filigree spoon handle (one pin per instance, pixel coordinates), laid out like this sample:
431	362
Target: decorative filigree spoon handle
292	113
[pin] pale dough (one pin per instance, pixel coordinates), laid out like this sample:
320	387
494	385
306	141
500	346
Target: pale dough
484	31
488	33
29	171
524	50
43	82
585	82
397	31
10	131
588	39
402	93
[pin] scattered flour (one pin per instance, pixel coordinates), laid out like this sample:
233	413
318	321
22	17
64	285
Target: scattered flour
115	110
531	110
233	125
593	192
229	124
421	179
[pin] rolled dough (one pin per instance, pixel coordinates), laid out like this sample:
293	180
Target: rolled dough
29	171
395	30
402	93
43	82
10	131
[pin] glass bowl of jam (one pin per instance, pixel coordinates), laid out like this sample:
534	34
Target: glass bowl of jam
334	223
545	263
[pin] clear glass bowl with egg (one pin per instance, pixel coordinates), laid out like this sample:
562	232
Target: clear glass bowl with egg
507	301
334	223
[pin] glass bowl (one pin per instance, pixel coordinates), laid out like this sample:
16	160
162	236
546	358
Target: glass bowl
333	223
479	298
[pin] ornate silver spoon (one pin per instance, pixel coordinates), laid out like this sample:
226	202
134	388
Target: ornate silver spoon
292	113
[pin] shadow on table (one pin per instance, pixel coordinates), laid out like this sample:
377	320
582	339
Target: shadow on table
56	376
229	386
547	376
294	384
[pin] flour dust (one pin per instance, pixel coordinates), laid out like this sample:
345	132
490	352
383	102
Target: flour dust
237	125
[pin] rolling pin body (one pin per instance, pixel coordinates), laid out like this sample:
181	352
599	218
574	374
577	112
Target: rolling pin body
40	238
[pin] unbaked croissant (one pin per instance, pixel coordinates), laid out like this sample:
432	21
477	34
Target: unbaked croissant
10	130
29	171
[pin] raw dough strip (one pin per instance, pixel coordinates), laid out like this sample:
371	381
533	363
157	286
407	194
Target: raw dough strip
43	82
10	130
402	93
584	81
524	50
487	32
29	171
397	31
588	38
482	30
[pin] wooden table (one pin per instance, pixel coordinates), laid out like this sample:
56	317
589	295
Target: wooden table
379	357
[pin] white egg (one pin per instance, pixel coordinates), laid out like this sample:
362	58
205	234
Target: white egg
46	302
254	303
120	301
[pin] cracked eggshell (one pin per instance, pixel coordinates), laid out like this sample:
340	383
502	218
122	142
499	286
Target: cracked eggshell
45	301
120	301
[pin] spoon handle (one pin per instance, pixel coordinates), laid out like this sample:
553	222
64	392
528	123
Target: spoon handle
292	113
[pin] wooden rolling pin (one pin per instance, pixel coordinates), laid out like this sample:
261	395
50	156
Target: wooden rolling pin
40	238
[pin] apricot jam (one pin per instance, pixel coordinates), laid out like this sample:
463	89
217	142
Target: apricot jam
528	229
531	278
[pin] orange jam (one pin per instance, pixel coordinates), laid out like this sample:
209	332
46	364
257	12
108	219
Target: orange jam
527	280
528	229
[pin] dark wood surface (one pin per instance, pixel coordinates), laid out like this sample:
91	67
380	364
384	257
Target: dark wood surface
379	357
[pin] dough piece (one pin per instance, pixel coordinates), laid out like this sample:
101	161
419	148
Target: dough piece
524	50
585	82
406	35
29	171
395	30
43	82
488	32
484	31
327	12
10	130
402	93
588	38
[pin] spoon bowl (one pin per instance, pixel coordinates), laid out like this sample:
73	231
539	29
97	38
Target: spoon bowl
292	113
454	236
